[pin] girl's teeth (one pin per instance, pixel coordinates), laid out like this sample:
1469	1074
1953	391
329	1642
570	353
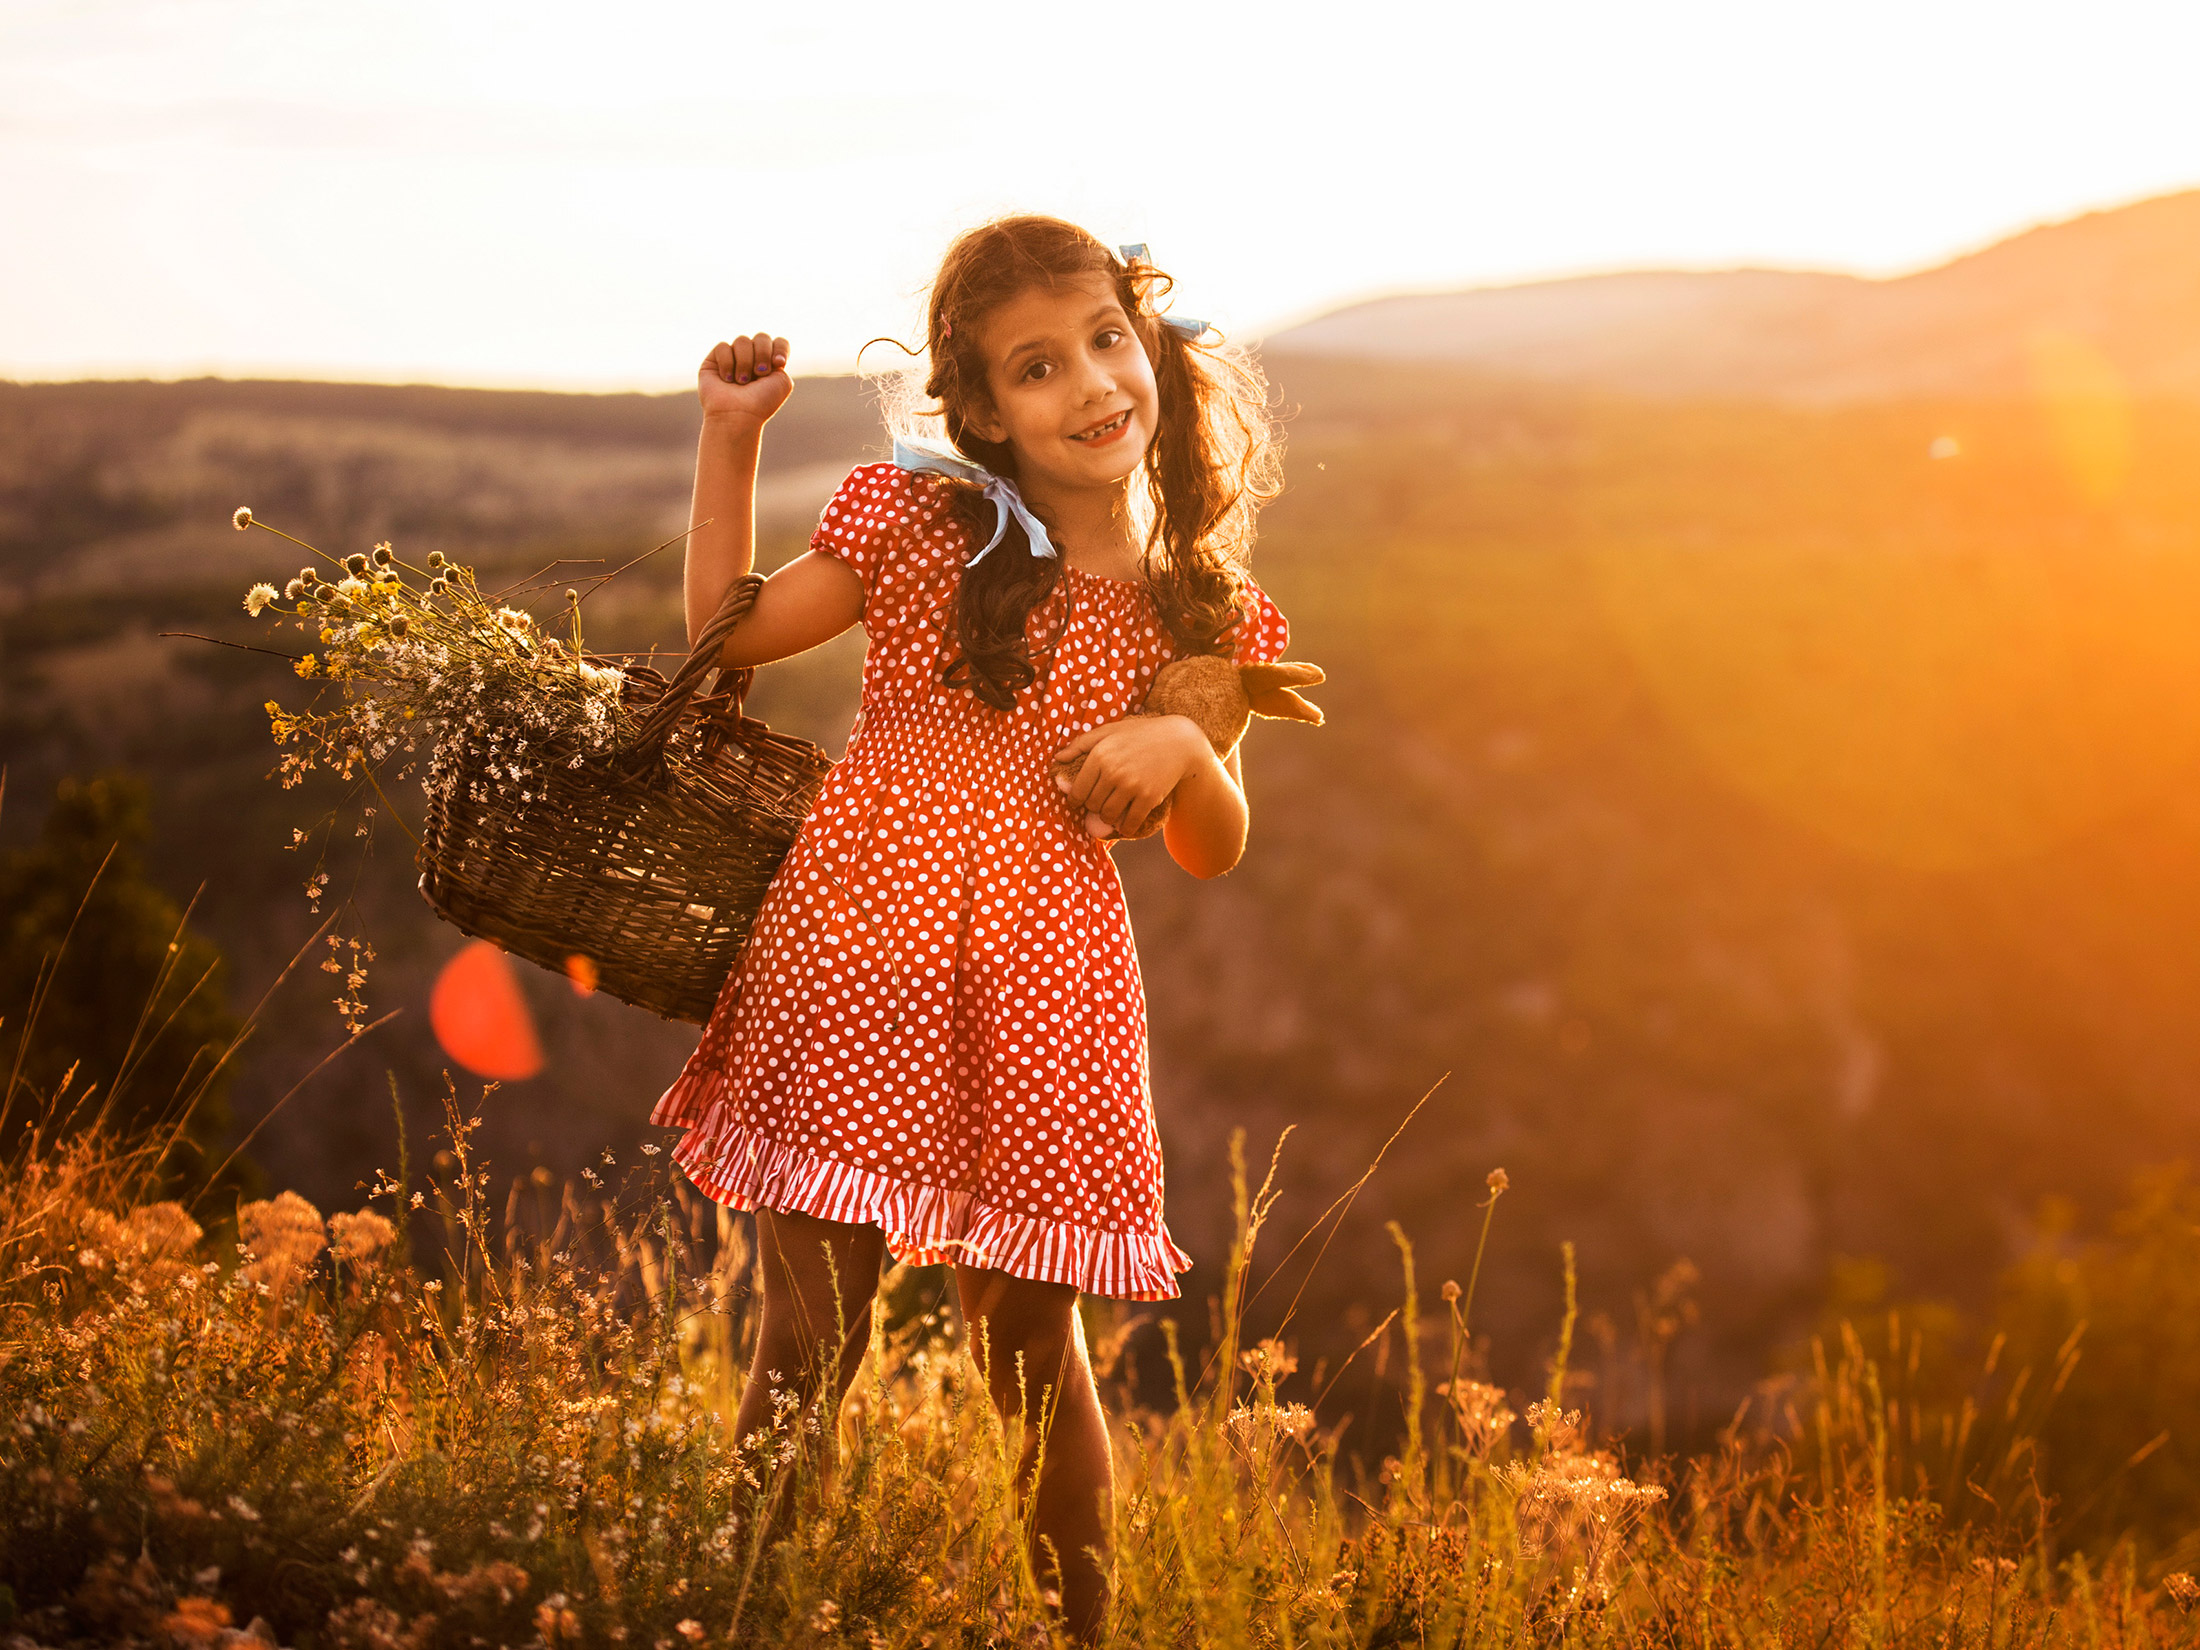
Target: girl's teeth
1104	429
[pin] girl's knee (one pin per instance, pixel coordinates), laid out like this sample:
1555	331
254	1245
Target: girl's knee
1021	1332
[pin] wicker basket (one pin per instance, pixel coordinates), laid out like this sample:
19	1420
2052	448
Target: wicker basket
650	864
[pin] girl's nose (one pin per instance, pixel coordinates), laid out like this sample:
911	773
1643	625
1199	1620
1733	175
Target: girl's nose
1097	383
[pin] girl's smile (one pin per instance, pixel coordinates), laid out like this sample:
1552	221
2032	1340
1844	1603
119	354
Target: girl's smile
1107	430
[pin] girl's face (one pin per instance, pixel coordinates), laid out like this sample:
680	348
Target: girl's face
1072	389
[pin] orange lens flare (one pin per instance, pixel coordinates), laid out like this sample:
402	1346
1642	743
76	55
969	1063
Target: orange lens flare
481	1019
2088	411
584	974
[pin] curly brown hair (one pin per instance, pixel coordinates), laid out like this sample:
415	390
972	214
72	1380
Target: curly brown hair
1212	463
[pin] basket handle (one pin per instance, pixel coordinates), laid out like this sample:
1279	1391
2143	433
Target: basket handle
663	716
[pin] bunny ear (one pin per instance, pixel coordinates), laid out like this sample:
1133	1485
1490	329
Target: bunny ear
1283	704
1281	673
1268	688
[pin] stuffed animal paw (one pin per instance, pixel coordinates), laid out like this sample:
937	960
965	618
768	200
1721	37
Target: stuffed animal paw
1223	699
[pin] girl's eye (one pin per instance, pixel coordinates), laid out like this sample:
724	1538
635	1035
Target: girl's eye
1036	371
1109	338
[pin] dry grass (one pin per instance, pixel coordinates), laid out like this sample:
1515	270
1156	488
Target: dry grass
517	1435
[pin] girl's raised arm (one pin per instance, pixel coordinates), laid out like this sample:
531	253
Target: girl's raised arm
810	600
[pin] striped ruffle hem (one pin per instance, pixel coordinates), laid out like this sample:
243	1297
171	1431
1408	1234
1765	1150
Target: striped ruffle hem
924	1224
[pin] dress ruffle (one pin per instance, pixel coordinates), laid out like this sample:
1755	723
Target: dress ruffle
924	1224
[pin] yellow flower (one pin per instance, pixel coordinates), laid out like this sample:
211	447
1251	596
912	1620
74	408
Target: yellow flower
327	635
272	708
304	667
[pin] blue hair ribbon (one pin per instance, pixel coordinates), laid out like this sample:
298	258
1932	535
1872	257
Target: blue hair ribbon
1183	326
1008	504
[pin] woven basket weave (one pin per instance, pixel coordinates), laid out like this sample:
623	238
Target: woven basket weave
649	863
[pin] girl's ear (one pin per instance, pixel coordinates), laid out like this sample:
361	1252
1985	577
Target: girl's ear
985	423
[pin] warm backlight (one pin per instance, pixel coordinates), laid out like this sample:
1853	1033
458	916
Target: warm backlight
2088	412
480	1017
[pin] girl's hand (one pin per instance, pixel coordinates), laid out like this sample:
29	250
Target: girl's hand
744	382
1130	767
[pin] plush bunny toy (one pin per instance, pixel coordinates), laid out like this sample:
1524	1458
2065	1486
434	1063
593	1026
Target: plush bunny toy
1223	699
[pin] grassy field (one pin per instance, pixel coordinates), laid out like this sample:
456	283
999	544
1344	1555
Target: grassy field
447	1419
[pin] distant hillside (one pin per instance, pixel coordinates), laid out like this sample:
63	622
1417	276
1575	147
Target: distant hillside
2127	281
104	485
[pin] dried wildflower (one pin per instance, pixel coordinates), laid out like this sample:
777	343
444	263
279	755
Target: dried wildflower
436	587
2182	1589
284	1236
160	1231
356	565
1497	1181
1577	1509
1258	1424
323	592
382	556
435	559
257	598
1450	1290
293	590
242	519
1559	1429
1481	1411
360	1237
351	589
400	625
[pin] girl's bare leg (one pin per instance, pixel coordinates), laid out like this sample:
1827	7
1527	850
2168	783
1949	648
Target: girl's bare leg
819	1277
1018	1328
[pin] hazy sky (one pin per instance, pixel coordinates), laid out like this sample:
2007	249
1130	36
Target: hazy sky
588	195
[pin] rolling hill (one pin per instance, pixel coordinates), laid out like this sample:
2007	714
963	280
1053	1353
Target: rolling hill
2126	281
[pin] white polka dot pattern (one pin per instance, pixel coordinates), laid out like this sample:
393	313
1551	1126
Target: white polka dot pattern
937	1026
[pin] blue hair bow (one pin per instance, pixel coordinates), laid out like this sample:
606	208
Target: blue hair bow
1008	503
1183	326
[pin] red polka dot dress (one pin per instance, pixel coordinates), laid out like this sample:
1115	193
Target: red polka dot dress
937	1026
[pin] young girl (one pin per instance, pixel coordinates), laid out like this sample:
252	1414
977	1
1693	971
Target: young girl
935	1041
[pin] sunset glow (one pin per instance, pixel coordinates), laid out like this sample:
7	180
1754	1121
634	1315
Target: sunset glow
493	194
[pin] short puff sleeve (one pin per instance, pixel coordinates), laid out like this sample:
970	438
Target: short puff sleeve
894	530
1262	631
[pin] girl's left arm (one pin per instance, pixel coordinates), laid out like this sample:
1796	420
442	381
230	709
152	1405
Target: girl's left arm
1205	830
1134	765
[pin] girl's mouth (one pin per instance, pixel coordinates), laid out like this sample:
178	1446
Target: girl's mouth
1101	434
